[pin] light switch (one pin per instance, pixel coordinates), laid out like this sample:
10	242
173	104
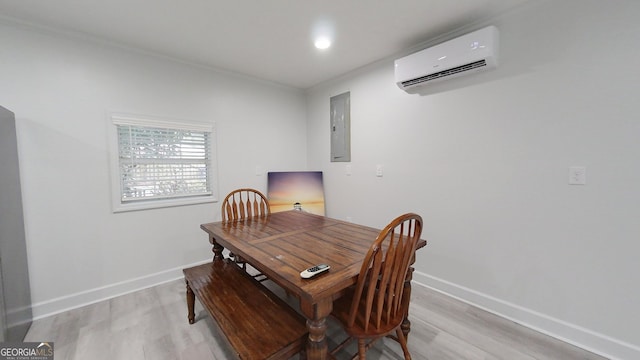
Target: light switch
347	170
577	175
379	170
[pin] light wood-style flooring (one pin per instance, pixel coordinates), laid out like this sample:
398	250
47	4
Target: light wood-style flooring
151	324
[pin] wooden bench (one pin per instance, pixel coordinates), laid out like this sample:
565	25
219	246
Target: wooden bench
256	323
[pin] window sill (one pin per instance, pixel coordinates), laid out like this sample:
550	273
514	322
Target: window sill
158	204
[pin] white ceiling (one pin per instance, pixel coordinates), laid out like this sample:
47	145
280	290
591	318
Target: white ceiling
267	39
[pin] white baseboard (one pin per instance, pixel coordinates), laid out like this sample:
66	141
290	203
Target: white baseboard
589	340
54	306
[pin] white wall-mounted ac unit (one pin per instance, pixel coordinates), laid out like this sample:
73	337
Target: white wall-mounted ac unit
467	54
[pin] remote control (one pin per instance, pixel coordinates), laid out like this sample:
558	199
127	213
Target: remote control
314	270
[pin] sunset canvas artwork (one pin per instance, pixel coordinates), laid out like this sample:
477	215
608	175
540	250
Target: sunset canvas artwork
300	190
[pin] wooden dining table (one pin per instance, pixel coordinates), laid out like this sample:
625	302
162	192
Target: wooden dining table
283	244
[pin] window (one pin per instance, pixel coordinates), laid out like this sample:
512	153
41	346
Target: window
156	163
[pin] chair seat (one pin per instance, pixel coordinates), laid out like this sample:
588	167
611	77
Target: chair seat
341	312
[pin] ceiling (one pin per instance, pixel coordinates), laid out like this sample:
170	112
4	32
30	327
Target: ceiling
266	39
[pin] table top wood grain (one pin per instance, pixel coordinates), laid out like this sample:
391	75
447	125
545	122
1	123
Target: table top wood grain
283	244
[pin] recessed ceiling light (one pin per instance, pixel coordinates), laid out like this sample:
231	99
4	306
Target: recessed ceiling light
322	43
322	32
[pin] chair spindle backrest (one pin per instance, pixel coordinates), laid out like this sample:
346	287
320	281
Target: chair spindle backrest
383	273
244	203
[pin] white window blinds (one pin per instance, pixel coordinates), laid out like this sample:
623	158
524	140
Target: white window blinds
157	162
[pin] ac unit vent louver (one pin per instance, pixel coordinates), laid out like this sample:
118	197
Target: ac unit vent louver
467	54
445	73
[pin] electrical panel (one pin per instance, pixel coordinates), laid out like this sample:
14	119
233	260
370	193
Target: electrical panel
340	123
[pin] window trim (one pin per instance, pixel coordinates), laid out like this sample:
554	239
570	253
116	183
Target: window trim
117	204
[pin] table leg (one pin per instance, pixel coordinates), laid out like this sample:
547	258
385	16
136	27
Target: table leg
217	249
316	314
406	324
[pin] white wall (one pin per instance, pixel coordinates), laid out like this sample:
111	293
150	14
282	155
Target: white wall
485	161
61	90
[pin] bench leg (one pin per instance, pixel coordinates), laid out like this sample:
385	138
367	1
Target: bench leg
191	298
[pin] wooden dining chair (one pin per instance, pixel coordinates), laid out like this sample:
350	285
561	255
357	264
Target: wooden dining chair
378	303
244	203
241	204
